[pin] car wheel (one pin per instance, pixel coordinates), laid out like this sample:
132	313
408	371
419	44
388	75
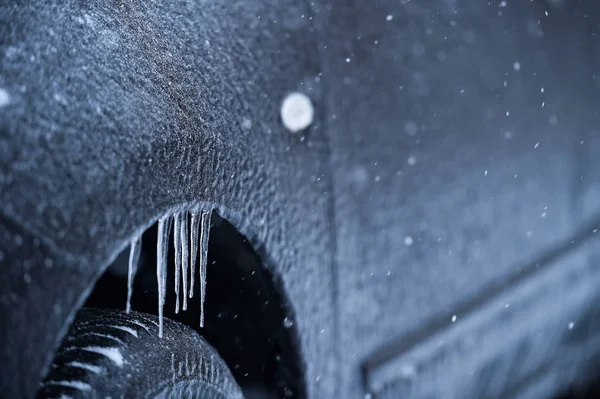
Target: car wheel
114	354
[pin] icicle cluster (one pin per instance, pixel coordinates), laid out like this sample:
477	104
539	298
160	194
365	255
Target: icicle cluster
185	233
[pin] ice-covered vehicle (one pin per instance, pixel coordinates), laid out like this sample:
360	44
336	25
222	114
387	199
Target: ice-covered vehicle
299	199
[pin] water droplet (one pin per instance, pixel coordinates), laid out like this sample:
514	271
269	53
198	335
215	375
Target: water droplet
411	128
247	124
389	17
297	112
287	323
408	371
408	241
4	98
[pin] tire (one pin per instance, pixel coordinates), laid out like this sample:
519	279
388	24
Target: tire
113	354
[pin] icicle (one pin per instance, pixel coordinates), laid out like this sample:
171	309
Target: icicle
162	250
185	256
204	232
177	245
194	252
134	257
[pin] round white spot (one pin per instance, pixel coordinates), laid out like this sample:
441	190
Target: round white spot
517	66
412	160
408	371
453	318
389	17
247	124
297	112
408	241
411	128
571	325
4	97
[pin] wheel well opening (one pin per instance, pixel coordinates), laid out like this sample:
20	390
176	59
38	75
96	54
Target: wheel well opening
246	318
